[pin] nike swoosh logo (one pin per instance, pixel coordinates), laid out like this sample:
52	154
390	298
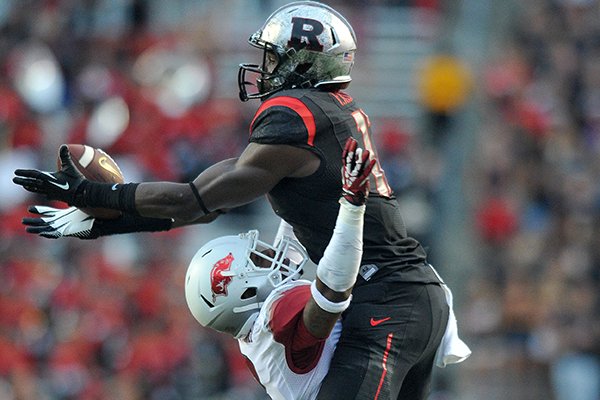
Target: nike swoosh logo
63	186
375	322
114	187
104	163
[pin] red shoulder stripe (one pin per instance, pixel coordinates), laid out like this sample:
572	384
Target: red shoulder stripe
293	104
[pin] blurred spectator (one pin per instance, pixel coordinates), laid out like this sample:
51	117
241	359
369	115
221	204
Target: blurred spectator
539	205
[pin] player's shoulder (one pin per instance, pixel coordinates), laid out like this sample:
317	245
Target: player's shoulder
278	301
289	289
287	117
286	307
288	298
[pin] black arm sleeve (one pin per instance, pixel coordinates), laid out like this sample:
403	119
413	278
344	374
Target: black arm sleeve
129	223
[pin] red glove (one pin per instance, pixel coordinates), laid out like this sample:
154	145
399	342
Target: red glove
355	173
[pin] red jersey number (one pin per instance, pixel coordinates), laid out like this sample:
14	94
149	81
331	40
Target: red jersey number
362	125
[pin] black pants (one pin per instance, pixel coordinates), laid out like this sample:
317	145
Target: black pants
389	339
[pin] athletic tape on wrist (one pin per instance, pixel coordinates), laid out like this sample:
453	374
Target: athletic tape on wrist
351	214
338	268
325	303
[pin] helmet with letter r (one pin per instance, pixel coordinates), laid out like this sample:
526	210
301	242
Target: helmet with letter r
304	44
230	277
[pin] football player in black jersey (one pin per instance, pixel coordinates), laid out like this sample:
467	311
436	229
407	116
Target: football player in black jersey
399	311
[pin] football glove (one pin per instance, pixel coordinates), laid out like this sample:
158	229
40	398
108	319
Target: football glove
356	169
54	223
65	184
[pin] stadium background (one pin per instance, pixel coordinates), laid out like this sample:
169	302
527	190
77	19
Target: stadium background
487	115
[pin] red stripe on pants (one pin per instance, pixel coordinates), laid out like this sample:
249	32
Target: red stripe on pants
384	364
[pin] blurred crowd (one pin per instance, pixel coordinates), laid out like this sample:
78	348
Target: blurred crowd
533	307
106	319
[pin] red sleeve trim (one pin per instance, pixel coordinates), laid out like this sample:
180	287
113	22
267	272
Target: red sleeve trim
296	105
302	349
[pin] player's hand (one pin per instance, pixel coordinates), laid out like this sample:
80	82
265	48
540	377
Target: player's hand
54	223
61	185
356	169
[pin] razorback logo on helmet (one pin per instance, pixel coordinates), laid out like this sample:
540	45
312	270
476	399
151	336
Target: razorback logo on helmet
306	28
218	281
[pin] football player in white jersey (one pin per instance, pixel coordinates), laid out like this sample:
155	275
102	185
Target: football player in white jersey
287	327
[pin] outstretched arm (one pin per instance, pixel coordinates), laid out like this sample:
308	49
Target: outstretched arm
227	184
338	269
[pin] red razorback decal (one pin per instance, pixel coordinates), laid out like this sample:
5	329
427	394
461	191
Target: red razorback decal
218	281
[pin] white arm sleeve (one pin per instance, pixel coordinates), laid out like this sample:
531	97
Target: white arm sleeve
339	266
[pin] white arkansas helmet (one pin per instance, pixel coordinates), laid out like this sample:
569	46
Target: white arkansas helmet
224	286
312	43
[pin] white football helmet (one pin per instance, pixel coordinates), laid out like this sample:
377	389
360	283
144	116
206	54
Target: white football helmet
224	286
311	45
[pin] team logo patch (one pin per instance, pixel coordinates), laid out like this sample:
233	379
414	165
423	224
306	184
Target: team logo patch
305	32
219	281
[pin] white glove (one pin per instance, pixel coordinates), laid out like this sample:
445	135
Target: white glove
55	222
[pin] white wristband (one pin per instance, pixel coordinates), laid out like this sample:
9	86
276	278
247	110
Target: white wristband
325	303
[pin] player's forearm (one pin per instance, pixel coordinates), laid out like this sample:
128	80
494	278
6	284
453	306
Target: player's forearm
178	201
338	268
171	200
167	200
319	322
154	199
336	272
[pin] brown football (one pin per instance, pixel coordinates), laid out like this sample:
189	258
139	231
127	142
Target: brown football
96	165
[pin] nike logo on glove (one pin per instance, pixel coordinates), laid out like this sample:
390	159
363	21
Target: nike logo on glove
375	322
63	186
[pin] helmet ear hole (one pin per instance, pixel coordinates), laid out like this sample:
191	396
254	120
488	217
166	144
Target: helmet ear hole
248	293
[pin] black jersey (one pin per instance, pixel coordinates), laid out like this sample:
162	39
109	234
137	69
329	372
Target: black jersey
321	122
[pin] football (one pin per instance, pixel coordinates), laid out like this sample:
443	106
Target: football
96	165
